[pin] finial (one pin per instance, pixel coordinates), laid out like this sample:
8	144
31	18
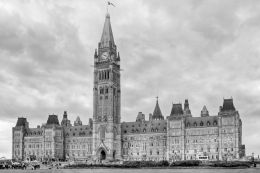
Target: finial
156	98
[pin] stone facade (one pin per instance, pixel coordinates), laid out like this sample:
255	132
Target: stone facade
179	136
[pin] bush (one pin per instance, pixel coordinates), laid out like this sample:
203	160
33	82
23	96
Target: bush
186	163
230	164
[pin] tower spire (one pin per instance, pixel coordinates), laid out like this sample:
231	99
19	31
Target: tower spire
157	114
107	38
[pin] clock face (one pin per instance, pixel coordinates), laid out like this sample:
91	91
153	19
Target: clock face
104	55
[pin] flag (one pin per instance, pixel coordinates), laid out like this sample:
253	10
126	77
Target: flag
110	3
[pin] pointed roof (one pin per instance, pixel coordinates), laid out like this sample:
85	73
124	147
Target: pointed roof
78	122
157	114
204	112
107	35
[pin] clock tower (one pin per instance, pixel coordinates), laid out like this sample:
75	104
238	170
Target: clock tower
106	98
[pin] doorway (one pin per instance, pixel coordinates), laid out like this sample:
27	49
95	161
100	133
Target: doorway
102	155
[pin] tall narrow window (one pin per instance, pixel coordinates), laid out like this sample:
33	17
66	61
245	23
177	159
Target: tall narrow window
102	133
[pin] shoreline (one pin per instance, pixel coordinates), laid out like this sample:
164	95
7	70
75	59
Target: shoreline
177	167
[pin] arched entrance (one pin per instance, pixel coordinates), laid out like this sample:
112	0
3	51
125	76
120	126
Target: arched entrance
102	155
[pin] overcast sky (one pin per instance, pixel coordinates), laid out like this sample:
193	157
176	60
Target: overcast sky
199	50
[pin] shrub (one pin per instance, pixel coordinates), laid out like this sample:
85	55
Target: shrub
186	163
230	164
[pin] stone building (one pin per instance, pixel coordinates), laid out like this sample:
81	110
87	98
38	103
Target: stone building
179	136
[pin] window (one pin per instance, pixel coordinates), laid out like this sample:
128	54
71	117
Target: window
201	123
101	91
208	123
106	90
144	130
102	133
164	129
195	124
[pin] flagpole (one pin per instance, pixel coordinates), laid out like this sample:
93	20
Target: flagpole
107	7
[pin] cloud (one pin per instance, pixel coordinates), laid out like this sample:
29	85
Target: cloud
200	50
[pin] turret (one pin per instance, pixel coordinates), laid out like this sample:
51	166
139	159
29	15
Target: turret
204	112
65	122
186	110
157	114
78	122
140	117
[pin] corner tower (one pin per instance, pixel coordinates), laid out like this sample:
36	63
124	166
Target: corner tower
106	98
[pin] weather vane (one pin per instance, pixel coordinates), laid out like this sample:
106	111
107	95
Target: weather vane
109	3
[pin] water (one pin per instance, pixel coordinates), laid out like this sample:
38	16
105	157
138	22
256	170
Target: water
250	170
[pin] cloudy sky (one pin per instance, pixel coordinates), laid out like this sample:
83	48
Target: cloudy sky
203	50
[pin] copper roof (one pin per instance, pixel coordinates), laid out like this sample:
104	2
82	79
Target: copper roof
228	105
158	126
21	122
176	109
157	114
107	35
53	119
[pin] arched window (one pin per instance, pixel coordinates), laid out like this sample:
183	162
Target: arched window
208	123
144	130
215	123
101	90
188	125
195	124
201	123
